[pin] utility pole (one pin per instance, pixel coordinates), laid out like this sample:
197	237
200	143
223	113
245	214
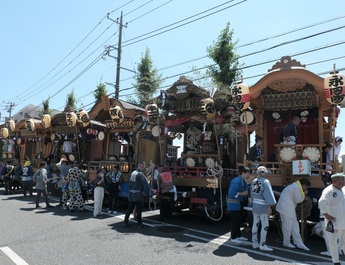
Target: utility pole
9	107
118	58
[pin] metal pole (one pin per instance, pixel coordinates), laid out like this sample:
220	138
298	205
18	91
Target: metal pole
118	63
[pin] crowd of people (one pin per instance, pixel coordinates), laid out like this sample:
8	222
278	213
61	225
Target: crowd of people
73	186
331	205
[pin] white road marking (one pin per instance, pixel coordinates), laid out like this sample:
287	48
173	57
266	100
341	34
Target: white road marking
221	239
13	256
266	254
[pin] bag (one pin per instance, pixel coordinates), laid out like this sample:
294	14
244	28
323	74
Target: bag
64	187
36	175
60	183
330	227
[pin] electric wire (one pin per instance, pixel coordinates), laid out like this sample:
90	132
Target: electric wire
184	24
26	90
257	64
264	38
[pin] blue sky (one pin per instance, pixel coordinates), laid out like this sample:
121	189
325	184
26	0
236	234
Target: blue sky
46	45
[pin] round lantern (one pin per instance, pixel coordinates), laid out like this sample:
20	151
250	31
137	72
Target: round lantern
4	132
89	131
71	119
151	113
11	125
240	96
46	121
334	88
30	125
207	108
83	118
116	114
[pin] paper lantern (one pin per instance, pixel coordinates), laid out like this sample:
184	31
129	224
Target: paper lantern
30	125
46	121
83	118
334	88
71	119
89	131
207	108
240	96
151	113
11	125
116	114
4	132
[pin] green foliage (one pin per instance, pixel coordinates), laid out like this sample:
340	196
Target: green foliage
45	109
225	71
71	101
100	91
147	79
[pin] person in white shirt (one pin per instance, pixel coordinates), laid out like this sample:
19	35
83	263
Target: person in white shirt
337	148
286	206
68	146
332	207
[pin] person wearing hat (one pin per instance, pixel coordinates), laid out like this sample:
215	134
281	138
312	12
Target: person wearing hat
332	206
27	182
169	160
286	206
262	201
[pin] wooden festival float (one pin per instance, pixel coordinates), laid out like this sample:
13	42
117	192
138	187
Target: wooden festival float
126	140
287	90
24	141
187	112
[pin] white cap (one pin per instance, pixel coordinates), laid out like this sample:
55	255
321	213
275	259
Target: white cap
261	170
338	138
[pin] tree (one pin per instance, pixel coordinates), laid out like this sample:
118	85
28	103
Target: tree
147	79
71	101
45	109
100	91
225	71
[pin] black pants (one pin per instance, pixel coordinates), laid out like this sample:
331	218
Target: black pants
44	192
113	196
27	186
8	185
15	184
139	209
166	204
84	193
235	224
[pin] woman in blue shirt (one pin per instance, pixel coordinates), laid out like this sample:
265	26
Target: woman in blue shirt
237	192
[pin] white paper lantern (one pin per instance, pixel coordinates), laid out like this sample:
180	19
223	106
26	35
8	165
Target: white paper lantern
46	121
71	119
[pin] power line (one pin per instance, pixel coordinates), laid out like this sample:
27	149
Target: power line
218	11
244	67
257	41
26	90
186	23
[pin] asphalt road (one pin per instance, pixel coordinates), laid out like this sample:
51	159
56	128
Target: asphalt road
54	236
